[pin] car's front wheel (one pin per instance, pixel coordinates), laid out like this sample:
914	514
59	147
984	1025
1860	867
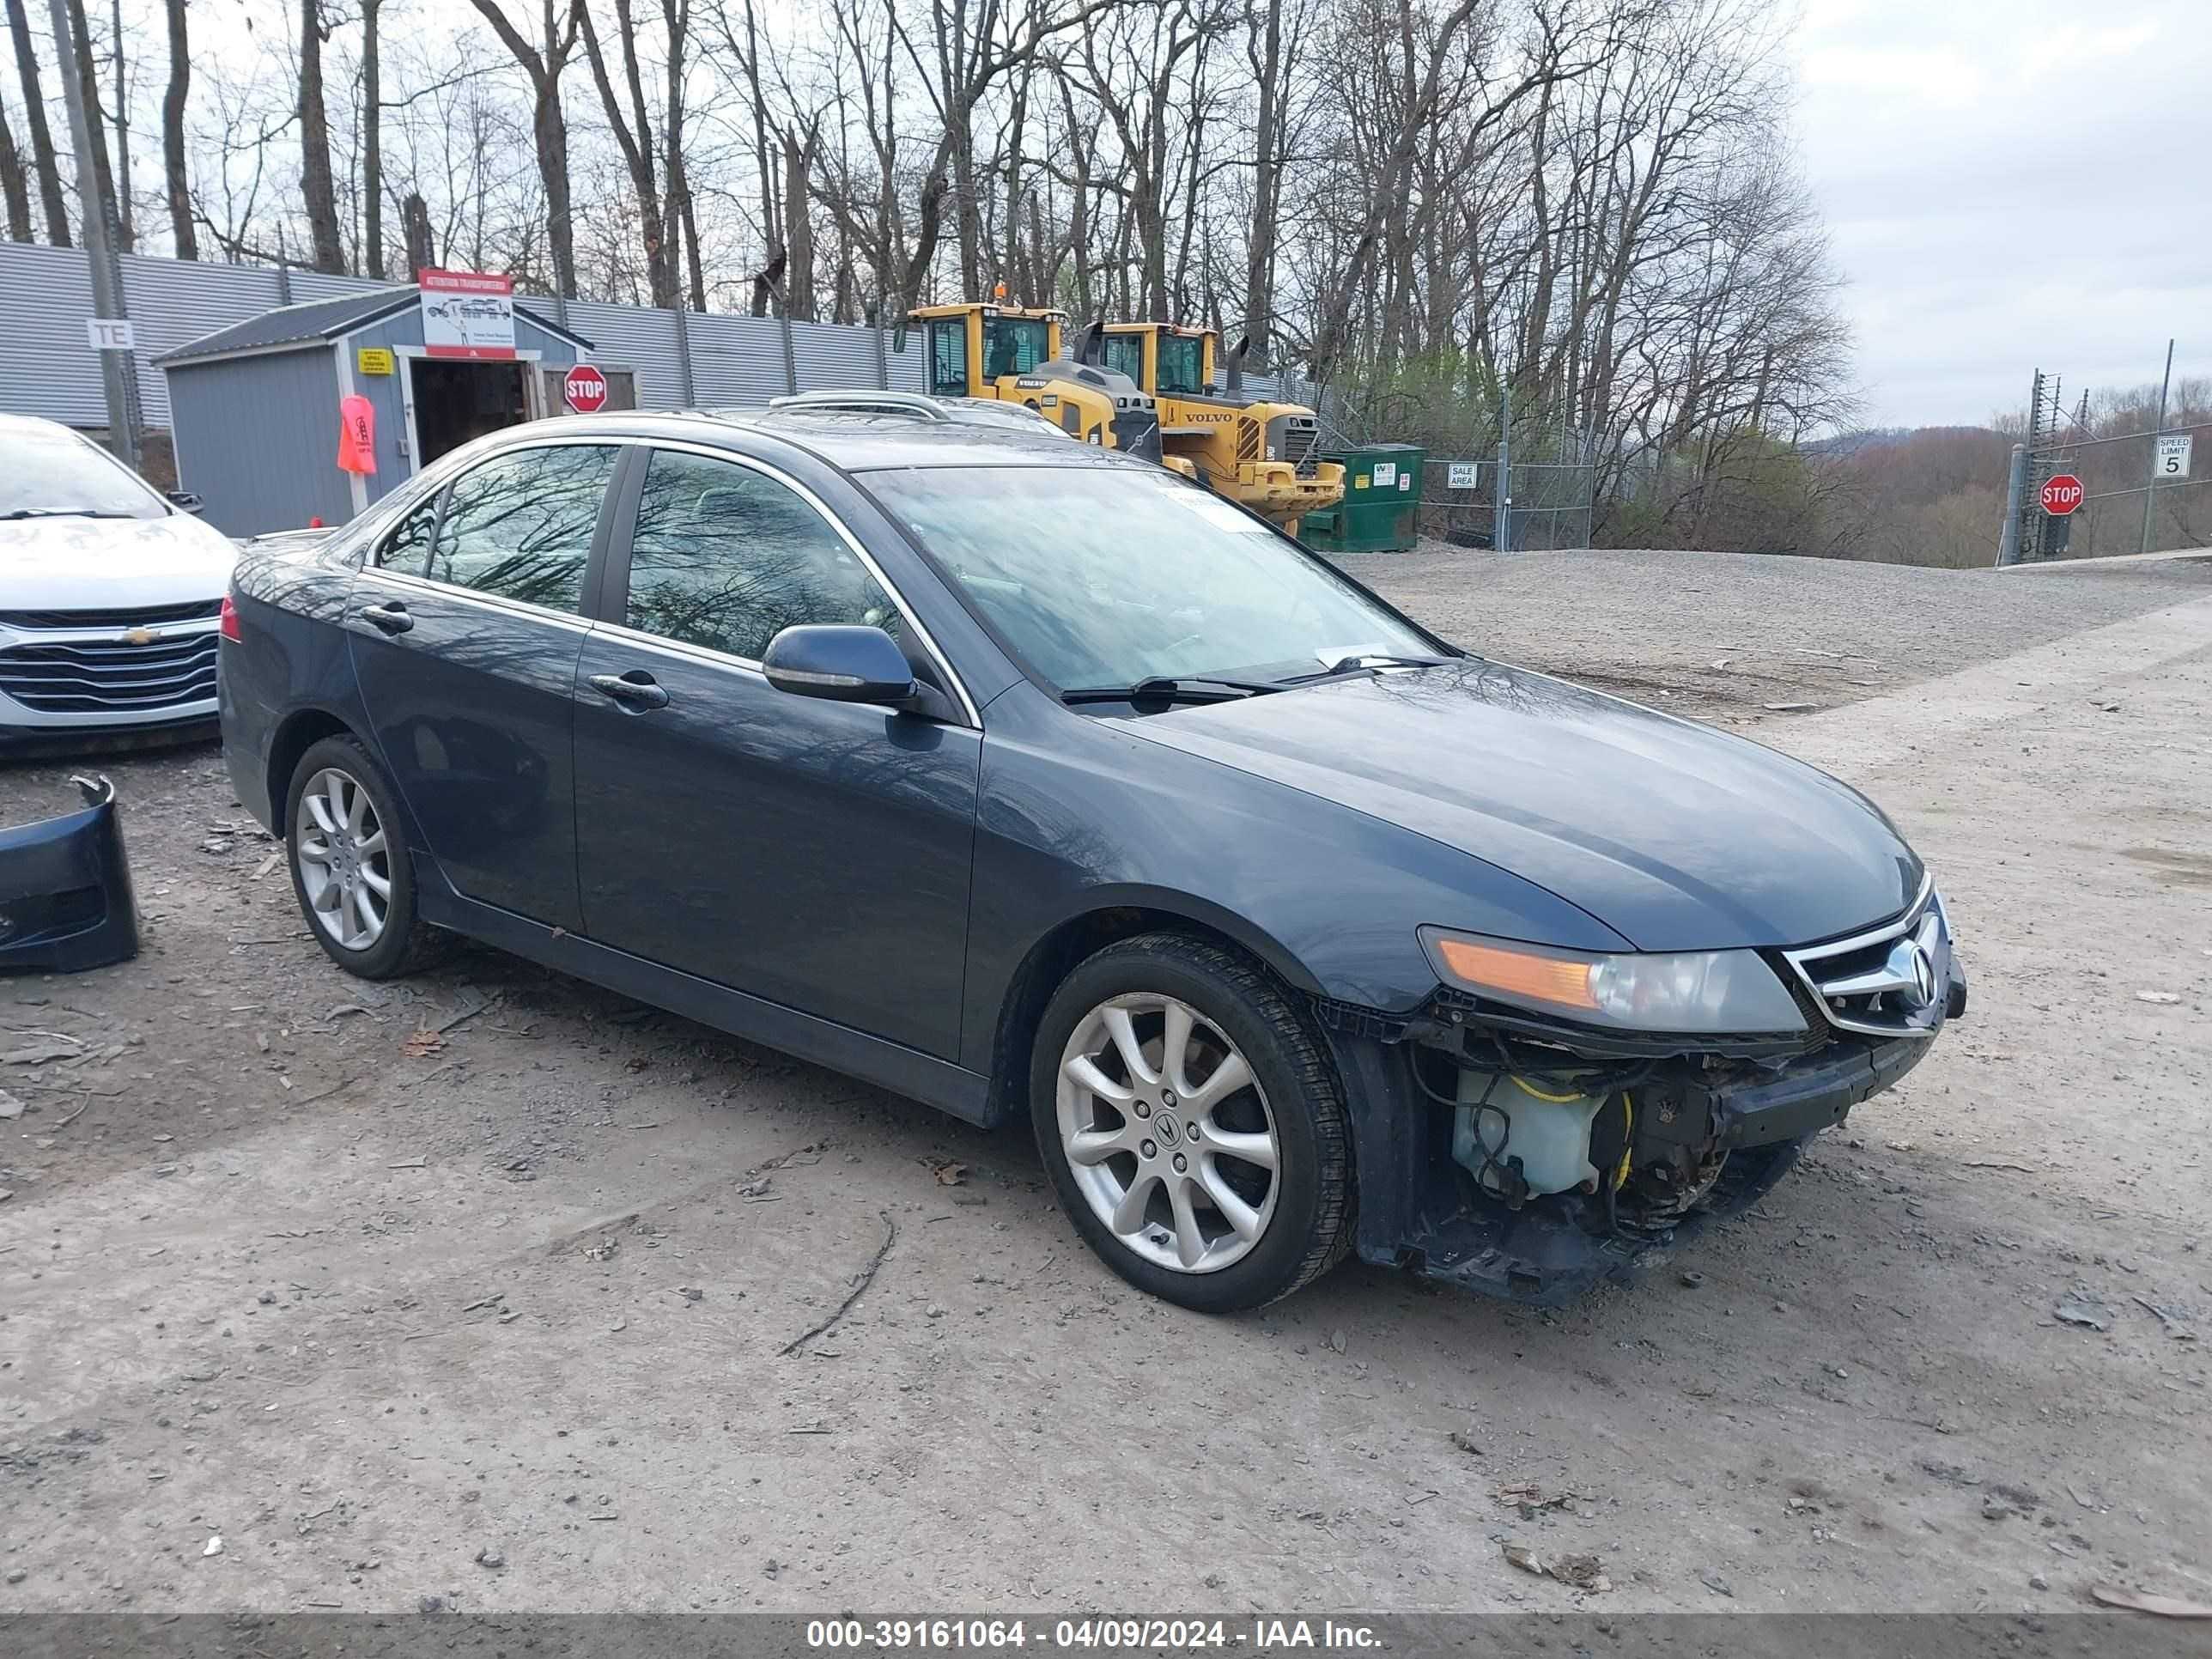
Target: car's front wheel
1192	1124
350	860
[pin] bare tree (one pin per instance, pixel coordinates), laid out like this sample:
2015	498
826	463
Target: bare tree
543	64
101	198
43	161
126	212
633	133
372	138
175	171
318	192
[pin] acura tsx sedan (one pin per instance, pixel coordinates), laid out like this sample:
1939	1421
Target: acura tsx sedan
1026	778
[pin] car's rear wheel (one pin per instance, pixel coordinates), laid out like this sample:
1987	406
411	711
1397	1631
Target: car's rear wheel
349	861
1192	1124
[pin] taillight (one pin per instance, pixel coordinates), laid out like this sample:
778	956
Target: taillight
229	620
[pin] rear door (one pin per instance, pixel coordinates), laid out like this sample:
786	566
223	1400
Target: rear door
814	853
465	626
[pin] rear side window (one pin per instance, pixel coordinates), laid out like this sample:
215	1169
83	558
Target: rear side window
728	558
520	527
407	548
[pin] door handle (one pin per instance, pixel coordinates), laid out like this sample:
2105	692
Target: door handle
636	689
392	616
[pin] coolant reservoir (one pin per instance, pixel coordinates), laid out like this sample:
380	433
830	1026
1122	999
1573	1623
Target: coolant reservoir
1545	1128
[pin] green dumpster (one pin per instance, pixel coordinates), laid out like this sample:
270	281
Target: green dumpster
1380	505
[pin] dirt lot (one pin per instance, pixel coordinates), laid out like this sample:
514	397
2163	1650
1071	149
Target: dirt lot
499	1313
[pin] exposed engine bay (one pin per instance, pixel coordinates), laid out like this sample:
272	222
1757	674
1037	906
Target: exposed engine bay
1544	1164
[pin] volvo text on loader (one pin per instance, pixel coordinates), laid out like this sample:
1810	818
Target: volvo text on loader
1262	455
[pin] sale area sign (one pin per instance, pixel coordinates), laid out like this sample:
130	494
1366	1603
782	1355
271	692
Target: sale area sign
467	313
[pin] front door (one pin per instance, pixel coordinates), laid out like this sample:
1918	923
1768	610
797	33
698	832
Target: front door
814	853
465	627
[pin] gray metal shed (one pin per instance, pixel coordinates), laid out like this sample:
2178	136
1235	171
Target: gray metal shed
254	407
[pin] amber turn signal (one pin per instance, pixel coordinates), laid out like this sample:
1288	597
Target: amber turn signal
1542	979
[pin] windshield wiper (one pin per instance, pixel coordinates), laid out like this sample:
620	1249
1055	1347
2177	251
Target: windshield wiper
1161	688
65	512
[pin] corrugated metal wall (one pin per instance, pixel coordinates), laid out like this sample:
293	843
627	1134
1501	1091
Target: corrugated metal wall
46	299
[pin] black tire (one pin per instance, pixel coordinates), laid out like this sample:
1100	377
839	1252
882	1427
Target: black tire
1310	1229
407	942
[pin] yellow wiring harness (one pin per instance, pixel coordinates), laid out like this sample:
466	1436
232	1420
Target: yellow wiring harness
1627	1141
1533	1092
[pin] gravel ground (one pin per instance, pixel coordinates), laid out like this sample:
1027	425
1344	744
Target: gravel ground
479	1286
1705	633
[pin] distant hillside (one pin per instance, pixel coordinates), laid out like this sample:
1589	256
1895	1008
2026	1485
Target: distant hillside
1927	495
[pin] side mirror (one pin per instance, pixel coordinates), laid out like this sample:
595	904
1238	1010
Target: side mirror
187	500
839	661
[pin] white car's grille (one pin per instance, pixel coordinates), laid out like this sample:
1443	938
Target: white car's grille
192	610
110	675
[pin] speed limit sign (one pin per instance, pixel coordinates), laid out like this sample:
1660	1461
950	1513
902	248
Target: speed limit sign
2172	459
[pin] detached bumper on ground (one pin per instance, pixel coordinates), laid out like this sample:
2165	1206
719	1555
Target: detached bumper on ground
65	897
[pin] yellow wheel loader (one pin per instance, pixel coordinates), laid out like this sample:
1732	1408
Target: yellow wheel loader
1262	455
1015	354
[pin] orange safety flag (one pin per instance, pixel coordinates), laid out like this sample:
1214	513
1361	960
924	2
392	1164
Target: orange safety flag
356	434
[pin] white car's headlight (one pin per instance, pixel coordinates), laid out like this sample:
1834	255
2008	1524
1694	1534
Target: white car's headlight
1689	991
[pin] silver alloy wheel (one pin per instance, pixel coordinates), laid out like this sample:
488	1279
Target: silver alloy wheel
1183	1169
345	868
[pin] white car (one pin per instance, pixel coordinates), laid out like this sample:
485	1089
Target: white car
110	595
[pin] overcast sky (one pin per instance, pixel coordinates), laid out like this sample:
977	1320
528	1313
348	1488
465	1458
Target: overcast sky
2010	184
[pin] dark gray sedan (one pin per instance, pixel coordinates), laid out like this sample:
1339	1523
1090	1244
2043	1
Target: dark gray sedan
1026	778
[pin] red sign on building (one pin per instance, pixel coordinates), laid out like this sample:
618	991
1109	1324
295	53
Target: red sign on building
467	313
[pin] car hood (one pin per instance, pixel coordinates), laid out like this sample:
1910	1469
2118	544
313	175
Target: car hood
1674	835
111	564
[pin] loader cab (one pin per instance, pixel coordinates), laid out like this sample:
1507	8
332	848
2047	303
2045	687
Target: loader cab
1166	360
971	346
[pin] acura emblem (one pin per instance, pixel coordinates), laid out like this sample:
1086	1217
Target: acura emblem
1910	962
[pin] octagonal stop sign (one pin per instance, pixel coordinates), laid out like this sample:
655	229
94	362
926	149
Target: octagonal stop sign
584	389
2062	495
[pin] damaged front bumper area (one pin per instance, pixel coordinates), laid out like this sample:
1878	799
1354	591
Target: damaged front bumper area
1524	1167
65	897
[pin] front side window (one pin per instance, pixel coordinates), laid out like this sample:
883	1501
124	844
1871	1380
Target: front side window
1182	365
520	526
49	473
1014	345
1104	576
948	358
726	558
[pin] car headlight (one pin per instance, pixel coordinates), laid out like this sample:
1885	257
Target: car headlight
1688	991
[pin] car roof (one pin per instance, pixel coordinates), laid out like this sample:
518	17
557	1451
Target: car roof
857	443
37	425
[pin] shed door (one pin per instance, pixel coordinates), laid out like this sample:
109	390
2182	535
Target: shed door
622	389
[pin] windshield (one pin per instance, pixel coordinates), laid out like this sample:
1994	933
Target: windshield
1014	345
1106	577
1182	361
1125	355
48	474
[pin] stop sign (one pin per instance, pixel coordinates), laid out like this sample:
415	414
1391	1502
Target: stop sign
586	389
2062	495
